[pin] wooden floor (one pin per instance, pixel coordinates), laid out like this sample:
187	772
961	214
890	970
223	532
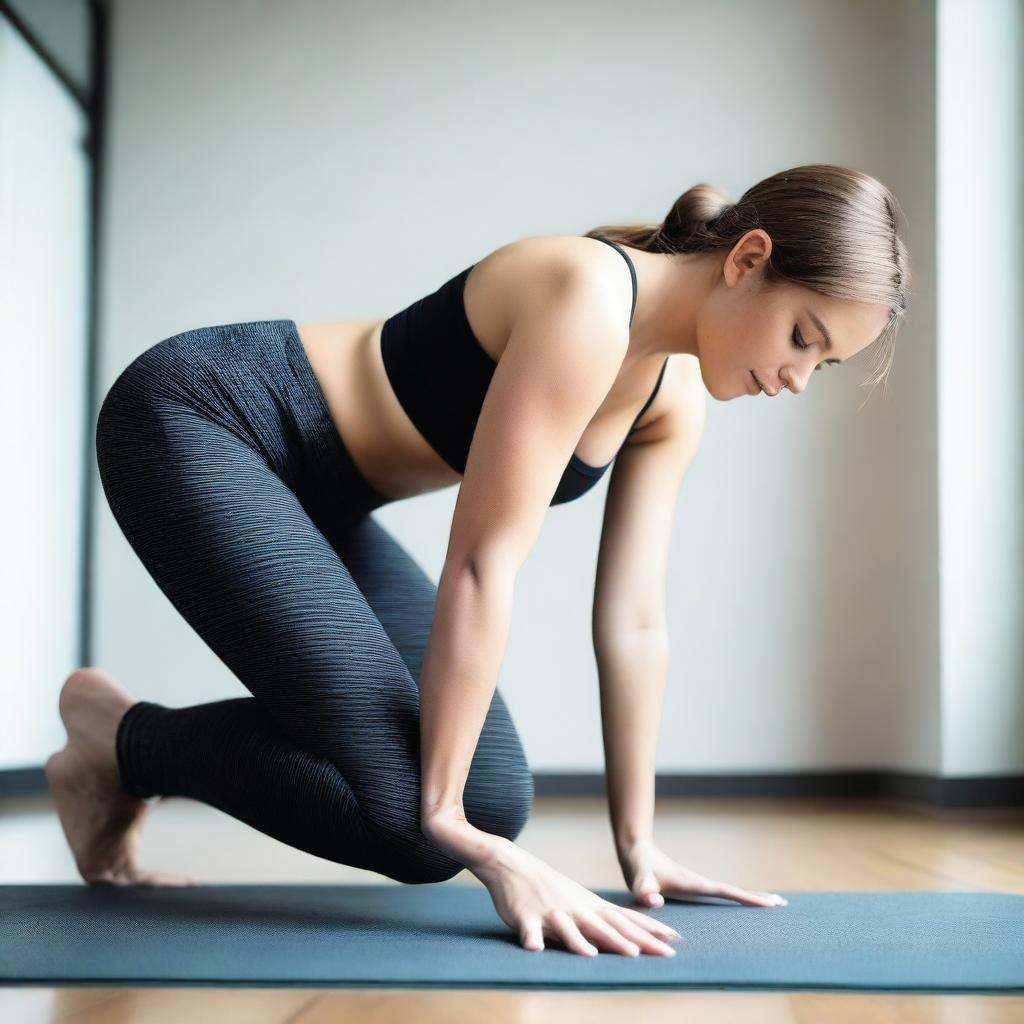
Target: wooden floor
760	844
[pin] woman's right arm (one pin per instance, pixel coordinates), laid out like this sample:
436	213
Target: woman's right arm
456	686
564	350
563	354
457	681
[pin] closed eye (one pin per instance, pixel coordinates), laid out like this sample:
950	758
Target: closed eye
799	342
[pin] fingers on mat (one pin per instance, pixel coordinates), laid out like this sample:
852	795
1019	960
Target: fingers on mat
644	939
566	929
605	935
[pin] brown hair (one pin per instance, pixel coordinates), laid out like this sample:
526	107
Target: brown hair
832	228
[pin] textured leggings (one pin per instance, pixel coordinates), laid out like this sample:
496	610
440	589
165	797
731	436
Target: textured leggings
224	471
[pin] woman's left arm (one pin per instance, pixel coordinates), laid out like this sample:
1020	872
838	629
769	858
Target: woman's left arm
631	640
629	627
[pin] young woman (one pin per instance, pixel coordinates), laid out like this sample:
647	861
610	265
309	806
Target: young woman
242	463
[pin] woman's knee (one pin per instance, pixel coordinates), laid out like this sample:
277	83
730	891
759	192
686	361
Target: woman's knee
518	805
502	805
426	863
498	796
407	855
410	857
422	870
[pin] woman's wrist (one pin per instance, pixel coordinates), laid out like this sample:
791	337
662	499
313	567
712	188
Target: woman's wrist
628	841
449	830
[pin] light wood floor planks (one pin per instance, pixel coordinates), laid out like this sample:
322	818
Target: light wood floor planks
763	844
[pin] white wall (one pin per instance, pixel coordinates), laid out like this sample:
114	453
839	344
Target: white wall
981	382
338	160
44	194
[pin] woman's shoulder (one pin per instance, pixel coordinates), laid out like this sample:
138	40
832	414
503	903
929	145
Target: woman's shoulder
510	277
557	254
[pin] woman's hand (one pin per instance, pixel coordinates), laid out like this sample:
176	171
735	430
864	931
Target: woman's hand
538	902
652	876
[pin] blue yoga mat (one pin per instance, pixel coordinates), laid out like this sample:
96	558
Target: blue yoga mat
450	935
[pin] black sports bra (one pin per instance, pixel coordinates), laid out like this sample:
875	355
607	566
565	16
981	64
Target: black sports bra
440	374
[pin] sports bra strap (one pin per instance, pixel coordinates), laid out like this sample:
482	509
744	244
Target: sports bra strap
629	263
632	274
650	398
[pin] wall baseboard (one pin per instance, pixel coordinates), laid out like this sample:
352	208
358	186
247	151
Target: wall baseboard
927	790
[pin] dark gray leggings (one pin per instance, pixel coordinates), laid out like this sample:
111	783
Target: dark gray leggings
223	469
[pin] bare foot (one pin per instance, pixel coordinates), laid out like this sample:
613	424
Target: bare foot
100	820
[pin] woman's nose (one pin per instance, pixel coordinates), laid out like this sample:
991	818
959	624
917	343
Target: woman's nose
793	380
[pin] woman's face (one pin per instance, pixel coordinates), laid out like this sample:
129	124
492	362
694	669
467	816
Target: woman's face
749	337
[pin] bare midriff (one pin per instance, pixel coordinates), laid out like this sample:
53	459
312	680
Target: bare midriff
386	446
383	442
